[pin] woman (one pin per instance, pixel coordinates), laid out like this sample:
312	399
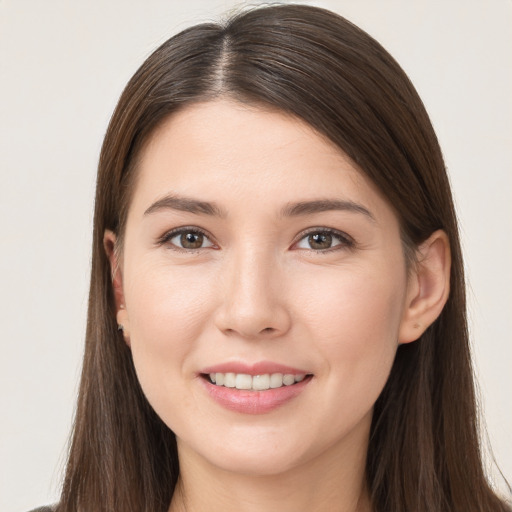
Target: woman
277	311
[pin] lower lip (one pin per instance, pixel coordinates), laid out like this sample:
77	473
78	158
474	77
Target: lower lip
254	402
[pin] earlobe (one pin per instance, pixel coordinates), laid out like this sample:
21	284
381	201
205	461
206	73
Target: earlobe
428	287
109	243
123	323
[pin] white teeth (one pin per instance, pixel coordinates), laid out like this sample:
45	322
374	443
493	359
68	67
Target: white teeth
230	380
243	381
276	380
263	382
288	380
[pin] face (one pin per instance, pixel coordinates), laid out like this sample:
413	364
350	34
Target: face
264	283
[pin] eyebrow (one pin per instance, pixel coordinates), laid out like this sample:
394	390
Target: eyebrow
324	205
187	204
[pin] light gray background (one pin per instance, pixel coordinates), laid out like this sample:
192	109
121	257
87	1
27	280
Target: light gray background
63	65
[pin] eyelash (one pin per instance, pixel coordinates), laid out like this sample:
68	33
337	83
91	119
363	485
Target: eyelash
166	238
344	240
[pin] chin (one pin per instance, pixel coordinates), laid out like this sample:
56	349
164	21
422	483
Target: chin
262	464
257	453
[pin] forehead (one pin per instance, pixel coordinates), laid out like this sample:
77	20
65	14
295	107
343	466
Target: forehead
224	150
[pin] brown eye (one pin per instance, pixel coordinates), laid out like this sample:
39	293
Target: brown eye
324	239
189	240
319	241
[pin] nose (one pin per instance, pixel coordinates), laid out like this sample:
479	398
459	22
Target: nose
253	303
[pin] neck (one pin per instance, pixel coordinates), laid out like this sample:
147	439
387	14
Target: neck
332	482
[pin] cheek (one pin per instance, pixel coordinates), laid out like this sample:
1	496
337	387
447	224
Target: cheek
354	318
166	300
168	310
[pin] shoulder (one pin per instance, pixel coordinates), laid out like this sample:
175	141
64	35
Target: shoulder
44	509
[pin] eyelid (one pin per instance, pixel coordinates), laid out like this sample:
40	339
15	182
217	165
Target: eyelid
169	235
346	241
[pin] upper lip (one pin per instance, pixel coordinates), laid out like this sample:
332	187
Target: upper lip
259	368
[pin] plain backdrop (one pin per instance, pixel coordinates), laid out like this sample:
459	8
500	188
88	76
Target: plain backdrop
63	65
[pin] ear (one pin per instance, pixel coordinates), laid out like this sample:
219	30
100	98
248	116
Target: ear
109	243
428	287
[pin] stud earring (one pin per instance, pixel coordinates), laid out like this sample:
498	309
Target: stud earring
120	327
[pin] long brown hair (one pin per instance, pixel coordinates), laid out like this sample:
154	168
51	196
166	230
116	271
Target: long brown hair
424	450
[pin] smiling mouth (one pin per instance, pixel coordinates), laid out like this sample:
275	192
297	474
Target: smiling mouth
246	382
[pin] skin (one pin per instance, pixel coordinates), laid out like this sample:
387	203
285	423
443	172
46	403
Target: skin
257	290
